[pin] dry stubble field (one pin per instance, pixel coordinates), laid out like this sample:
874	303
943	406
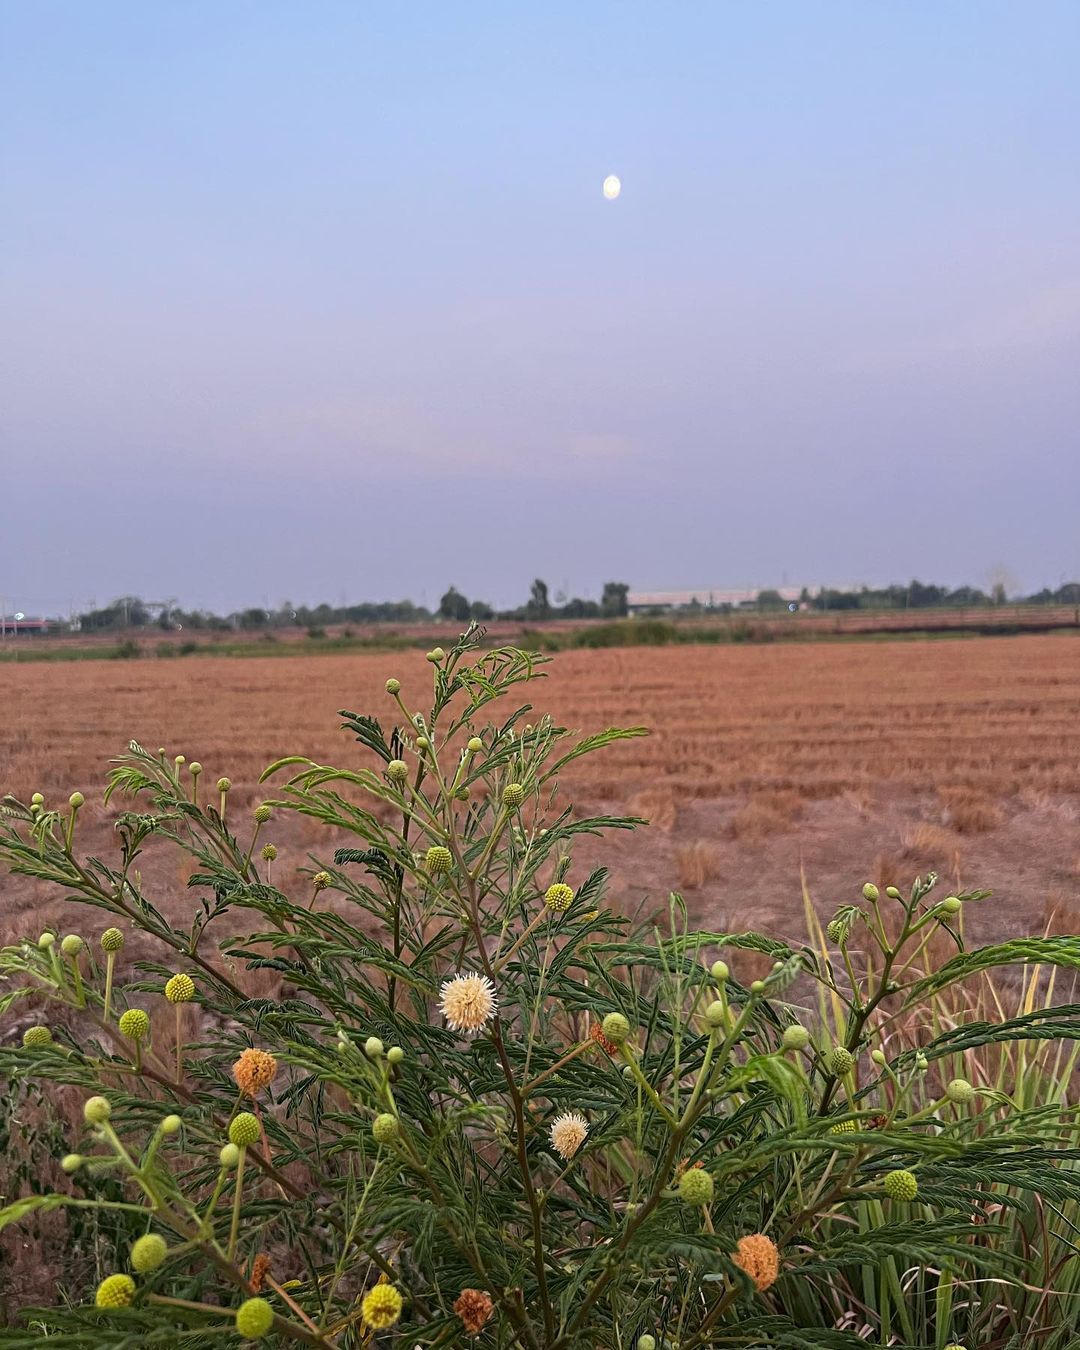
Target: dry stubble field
845	760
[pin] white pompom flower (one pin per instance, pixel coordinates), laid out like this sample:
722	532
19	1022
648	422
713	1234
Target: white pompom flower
468	1002
568	1133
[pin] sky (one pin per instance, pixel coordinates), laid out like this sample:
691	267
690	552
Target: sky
324	301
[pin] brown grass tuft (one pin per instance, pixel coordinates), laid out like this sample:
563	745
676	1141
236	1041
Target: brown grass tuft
695	864
969	811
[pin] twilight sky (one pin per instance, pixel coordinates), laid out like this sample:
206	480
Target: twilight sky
323	301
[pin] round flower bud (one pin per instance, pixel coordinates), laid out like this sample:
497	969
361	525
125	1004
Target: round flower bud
321	880
373	1047
436	655
71	1162
148	1252
953	1345
616	1028
96	1110
393	686
381	1307
879	1057
180	989
170	1125
395	1054
720	971
224	784
76	800
758	987
844	1127
72	945
254	1318
900	1185
960	1091
475	745
921	1063
397	771
46	940
950	905
385	1128
696	1186
112	940
795	1037
839	1061
422	743
513	796
194	768
646	1342
244	1130
834	930
180	759
716	1014
36	1038
115	1291
37	799
627	1071
439	859
269	852
229	1155
559	897
135	1025
893	893
870	891
463	793
262	813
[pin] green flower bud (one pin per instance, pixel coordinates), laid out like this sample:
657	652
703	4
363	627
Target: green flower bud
135	1025
395	1054
148	1252
950	905
373	1047
475	745
616	1028
36	1038
720	972
921	1063
96	1110
180	989
422	743
115	1291
870	891
436	655
559	897
879	1057
795	1037
696	1186
195	768
112	940
513	796
71	1162
397	771
716	1014
263	813
37	799
229	1155
439	860
757	987
76	800
46	940
900	1185
646	1342
170	1125
72	945
893	893
254	1318
224	784
960	1091
269	852
393	686
839	1061
244	1130
385	1128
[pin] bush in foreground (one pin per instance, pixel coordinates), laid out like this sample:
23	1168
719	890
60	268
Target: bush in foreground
444	1094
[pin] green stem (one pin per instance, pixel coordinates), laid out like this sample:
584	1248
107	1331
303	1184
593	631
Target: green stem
234	1227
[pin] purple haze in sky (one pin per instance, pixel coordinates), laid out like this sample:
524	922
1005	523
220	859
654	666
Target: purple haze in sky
315	301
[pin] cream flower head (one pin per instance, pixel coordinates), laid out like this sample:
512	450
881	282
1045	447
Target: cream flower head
468	1002
568	1133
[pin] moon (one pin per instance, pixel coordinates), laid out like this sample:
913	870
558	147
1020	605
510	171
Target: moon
612	187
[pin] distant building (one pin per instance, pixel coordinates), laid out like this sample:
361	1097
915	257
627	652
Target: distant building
11	625
708	597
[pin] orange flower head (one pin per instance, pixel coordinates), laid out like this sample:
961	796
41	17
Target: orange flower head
474	1307
597	1033
253	1071
758	1257
260	1268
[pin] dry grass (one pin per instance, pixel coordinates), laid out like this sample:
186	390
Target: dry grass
696	865
818	755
